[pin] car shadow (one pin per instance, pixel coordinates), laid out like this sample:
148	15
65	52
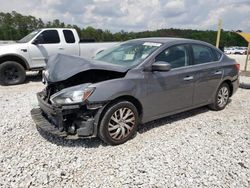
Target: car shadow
80	142
96	142
171	119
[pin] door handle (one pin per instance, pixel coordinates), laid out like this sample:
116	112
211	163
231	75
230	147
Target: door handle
218	72
60	48
188	78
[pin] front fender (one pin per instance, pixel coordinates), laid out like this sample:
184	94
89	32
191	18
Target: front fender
16	56
17	51
111	89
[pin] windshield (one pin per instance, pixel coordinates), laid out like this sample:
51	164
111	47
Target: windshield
129	53
28	37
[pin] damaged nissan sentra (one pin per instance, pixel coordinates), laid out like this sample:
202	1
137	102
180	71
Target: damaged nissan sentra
132	83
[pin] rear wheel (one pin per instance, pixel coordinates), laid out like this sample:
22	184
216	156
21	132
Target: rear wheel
119	123
221	98
12	73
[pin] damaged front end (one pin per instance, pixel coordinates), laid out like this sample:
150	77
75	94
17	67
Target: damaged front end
64	109
65	115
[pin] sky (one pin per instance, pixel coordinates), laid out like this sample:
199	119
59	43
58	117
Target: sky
138	15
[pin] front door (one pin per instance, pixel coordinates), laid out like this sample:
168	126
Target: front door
173	90
46	44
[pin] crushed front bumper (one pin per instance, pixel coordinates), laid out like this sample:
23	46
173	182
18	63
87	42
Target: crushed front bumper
70	121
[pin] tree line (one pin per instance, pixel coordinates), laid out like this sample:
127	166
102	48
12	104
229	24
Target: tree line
14	26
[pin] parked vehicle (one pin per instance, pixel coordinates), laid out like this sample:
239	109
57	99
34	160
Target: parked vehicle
229	50
32	52
135	82
236	50
240	50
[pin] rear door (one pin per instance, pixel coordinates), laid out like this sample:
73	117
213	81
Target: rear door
208	71
71	45
173	90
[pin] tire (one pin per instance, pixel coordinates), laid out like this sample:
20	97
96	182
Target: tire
12	73
221	98
113	129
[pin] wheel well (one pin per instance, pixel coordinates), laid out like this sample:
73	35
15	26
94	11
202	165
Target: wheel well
14	58
229	83
131	99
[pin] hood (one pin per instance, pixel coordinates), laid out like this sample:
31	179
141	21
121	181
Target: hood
3	43
61	67
12	48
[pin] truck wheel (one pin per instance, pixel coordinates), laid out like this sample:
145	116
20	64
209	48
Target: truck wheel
11	73
221	98
119	123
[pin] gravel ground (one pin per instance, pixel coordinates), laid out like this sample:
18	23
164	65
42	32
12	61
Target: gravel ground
197	148
245	79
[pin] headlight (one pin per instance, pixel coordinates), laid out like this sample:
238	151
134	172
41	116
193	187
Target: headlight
72	95
45	75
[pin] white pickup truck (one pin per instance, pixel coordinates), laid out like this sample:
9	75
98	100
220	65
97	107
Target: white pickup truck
32	52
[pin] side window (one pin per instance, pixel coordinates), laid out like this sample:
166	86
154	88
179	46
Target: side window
176	56
202	54
48	37
69	36
217	55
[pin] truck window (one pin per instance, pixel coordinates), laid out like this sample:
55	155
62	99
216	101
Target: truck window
48	37
69	36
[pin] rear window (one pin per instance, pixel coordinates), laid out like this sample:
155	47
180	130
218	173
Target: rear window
69	36
203	54
217	55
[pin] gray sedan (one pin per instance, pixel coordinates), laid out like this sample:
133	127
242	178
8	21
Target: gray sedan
132	83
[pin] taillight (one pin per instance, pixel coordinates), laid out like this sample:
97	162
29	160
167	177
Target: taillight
237	67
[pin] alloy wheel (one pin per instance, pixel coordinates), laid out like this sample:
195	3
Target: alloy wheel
121	123
223	96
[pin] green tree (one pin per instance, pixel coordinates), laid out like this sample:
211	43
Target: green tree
14	26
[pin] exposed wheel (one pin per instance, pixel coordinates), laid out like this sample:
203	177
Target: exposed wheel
221	97
119	123
12	73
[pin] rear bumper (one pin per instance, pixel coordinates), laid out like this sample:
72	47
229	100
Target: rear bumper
236	84
72	121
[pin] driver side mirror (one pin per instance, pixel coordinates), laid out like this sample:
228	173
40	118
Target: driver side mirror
161	66
38	40
35	41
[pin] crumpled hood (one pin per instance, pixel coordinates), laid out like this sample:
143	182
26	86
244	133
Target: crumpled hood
61	67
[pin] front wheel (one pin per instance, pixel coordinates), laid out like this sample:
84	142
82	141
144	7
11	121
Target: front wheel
119	123
11	73
221	97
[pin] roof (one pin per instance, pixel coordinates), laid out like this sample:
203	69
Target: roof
162	39
170	39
